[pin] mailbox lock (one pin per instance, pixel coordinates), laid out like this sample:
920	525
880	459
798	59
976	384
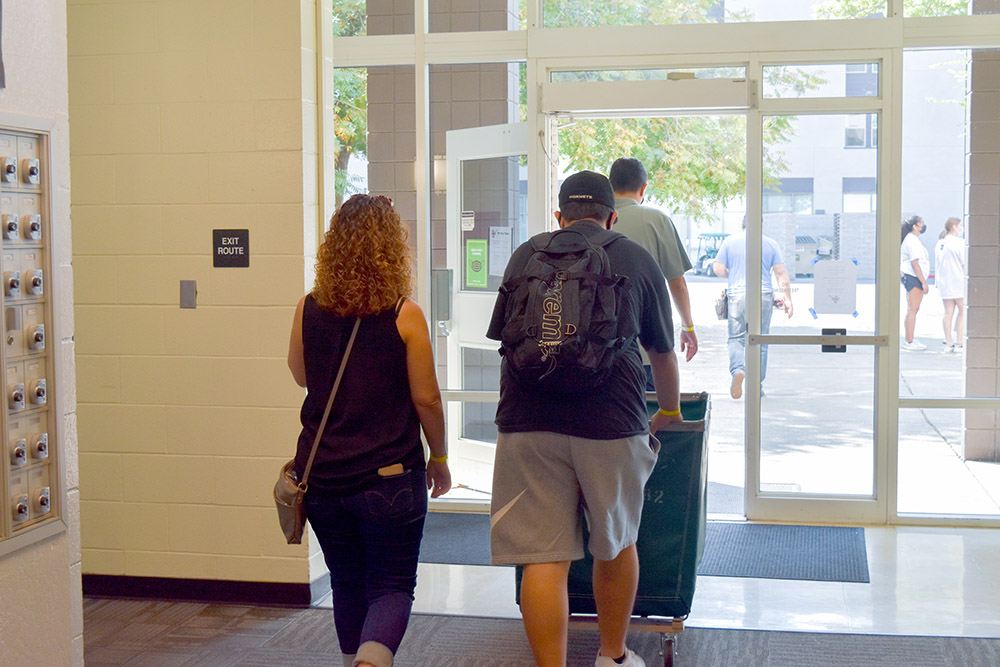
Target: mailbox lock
10	339
11	226
20	508
18	453
36	337
40	446
34	227
35	285
38	392
15	396
12	283
42	501
31	171
9	171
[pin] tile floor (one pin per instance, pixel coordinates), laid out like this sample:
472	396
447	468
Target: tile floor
924	581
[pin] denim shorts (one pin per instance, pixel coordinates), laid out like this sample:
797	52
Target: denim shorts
910	282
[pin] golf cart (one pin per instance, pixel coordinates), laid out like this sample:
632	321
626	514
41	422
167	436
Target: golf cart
708	248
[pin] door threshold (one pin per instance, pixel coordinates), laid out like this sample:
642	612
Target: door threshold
464	505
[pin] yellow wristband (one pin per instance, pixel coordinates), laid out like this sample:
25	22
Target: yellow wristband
437	459
669	413
691	328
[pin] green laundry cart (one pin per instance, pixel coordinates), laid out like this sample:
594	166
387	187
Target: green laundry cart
671	534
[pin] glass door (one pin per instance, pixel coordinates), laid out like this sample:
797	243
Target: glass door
816	351
486	220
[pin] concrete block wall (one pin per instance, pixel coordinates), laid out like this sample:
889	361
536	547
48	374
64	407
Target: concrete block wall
982	442
41	607
189	117
857	236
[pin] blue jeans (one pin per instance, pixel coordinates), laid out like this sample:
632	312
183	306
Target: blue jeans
371	541
738	331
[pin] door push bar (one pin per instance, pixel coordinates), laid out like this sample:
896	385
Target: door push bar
831	340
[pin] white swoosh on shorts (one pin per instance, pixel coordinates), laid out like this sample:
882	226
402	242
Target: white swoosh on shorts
500	513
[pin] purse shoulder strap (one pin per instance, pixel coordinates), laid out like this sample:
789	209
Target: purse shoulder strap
304	484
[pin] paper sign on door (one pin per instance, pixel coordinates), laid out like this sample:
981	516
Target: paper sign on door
475	263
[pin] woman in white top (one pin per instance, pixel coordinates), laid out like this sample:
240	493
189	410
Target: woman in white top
949	271
914	266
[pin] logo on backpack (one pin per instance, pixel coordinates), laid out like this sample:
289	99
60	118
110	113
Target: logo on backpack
564	327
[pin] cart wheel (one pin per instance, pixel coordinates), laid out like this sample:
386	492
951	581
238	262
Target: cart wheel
668	653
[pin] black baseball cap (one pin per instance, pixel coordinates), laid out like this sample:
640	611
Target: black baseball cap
587	186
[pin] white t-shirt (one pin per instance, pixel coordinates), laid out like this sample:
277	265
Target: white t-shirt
949	267
913	249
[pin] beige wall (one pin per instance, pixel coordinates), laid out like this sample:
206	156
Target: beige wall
982	439
189	116
42	581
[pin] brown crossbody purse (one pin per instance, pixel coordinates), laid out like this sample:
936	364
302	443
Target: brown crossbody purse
290	492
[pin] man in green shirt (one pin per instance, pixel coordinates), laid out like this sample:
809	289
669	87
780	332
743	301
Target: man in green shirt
654	231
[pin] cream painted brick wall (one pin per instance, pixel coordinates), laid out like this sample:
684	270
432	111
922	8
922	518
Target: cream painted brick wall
189	116
982	441
43	580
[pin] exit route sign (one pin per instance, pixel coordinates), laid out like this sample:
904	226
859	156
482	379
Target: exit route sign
231	248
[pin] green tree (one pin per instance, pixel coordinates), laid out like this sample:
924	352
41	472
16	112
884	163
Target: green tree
574	13
861	9
350	99
695	164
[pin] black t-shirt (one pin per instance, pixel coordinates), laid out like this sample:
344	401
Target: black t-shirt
617	407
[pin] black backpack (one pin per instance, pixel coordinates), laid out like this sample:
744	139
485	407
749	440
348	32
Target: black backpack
564	322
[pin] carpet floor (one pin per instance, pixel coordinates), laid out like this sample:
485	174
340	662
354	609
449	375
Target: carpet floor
154	634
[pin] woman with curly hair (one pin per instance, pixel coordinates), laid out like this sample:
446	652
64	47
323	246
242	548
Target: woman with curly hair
366	497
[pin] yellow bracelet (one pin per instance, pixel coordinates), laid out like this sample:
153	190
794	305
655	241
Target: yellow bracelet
691	328
437	459
669	413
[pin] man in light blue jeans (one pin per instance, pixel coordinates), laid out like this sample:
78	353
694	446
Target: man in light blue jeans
731	263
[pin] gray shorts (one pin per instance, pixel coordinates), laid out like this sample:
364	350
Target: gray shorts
540	481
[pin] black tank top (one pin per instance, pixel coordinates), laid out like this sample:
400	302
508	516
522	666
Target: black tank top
373	422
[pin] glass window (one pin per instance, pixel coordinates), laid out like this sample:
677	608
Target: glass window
790	195
374	146
859	202
829	80
777	203
695	164
949	179
476	16
860	131
735	72
859	194
574	13
372	17
916	8
947	462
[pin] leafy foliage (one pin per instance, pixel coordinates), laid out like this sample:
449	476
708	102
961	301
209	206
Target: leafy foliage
575	13
860	9
350	103
695	164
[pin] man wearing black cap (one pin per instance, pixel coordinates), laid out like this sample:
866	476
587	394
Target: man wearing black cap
592	448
